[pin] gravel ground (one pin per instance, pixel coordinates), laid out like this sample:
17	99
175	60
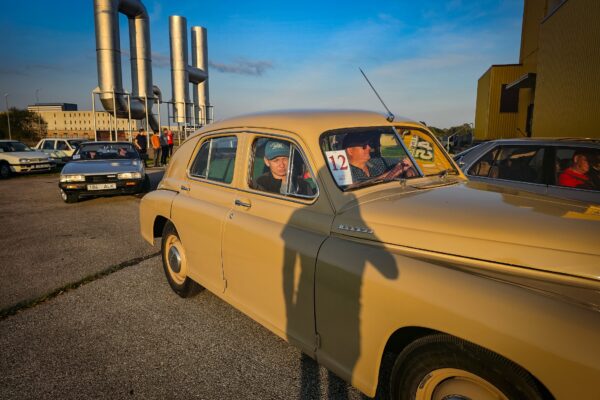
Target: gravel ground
128	335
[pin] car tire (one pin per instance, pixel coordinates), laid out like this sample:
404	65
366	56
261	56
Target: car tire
5	171
69	197
442	366
145	185
175	263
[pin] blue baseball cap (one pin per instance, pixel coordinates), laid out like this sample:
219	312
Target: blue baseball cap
276	149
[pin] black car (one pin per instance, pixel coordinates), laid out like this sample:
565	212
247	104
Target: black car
103	168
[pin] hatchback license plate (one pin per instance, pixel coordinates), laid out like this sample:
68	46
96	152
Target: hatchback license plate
102	186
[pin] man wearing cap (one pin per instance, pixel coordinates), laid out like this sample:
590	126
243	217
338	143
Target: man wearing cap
276	158
364	167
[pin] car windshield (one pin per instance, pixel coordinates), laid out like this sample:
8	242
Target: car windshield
359	157
10	147
106	151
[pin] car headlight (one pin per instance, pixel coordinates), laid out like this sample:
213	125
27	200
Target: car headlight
130	175
72	178
24	160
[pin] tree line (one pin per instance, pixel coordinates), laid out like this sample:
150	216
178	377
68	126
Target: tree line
26	126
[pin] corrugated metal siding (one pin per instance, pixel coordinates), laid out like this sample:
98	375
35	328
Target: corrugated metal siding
533	14
567	98
482	105
497	125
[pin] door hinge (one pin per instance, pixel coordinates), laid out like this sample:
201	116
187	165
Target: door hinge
317	342
224	285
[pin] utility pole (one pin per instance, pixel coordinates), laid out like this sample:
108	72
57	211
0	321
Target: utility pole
8	115
37	103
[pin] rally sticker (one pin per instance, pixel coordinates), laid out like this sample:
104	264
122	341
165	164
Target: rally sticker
421	149
339	166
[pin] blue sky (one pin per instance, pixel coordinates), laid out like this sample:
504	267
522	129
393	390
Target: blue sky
423	57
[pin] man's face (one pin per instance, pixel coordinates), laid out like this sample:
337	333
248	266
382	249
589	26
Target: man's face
359	154
278	166
582	164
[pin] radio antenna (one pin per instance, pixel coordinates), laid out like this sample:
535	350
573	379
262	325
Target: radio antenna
390	117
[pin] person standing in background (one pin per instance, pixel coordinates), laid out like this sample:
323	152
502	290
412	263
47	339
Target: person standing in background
141	144
156	147
170	142
164	147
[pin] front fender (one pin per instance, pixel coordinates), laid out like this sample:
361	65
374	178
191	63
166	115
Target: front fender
154	204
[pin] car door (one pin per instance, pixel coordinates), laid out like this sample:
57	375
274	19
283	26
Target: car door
271	241
64	146
517	166
202	205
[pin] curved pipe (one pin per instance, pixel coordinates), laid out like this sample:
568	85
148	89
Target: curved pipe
108	51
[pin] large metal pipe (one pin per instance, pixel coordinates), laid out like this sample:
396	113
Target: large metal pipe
108	54
181	72
200	61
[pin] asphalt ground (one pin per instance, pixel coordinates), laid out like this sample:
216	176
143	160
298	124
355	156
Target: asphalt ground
92	316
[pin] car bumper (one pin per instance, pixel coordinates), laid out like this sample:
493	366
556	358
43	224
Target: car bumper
33	167
129	186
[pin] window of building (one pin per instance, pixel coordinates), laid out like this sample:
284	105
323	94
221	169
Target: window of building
509	100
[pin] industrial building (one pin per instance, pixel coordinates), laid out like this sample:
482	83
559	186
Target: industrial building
554	90
65	120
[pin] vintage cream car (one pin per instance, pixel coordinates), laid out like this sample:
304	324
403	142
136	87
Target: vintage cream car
361	242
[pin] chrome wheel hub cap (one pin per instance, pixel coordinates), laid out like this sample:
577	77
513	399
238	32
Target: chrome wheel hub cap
174	259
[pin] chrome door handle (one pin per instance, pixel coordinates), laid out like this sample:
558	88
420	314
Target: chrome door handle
241	203
187	189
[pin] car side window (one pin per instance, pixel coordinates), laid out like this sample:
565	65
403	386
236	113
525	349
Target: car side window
215	160
513	163
577	168
48	145
278	166
61	145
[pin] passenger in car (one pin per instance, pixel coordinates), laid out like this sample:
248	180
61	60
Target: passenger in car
275	179
364	167
576	174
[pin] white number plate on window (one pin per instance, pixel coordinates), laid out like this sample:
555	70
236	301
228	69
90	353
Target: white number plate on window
102	186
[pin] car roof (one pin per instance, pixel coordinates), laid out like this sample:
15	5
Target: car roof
548	140
307	122
106	142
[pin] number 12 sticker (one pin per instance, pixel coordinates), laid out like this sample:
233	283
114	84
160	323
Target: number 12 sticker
339	166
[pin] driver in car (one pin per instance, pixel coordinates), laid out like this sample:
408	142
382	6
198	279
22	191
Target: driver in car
363	167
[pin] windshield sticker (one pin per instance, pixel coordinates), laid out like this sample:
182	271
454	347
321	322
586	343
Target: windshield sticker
76	156
339	166
421	149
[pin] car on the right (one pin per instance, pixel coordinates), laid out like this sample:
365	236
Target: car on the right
567	168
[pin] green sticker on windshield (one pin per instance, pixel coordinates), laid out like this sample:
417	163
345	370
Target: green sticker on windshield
421	149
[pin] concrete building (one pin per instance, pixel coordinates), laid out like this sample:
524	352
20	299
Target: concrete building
554	90
65	120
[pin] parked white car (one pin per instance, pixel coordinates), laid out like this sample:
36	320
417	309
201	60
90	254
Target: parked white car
60	149
17	157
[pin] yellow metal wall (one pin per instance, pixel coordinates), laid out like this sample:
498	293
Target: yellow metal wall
482	105
567	97
533	14
490	123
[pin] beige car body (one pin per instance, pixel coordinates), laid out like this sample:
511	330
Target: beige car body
512	272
